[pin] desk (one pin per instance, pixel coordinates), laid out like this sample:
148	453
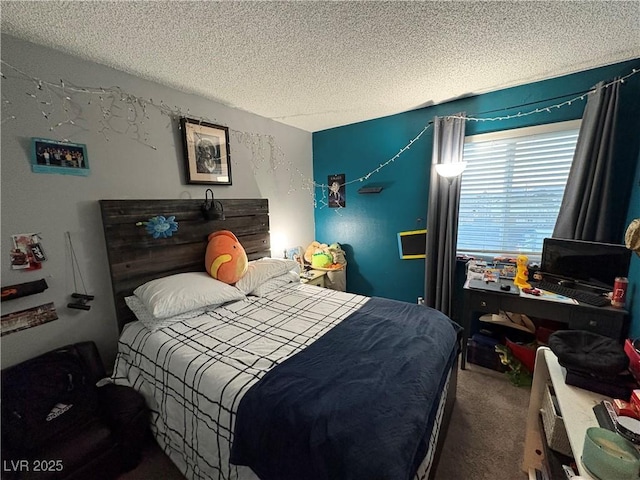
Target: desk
608	321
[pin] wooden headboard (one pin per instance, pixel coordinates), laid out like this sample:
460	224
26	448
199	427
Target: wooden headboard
135	257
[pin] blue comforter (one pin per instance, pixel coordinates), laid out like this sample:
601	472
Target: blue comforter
359	403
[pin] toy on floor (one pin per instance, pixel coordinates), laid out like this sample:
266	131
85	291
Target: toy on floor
225	259
522	273
517	373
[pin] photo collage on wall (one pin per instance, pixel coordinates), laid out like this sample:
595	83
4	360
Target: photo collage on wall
27	252
64	158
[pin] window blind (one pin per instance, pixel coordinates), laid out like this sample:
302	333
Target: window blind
512	188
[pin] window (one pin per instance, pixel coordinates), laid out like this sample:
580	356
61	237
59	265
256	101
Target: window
512	188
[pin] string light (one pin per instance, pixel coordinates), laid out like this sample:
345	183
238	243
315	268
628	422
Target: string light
264	149
324	187
548	109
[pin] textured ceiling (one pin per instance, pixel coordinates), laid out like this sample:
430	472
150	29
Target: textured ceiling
317	65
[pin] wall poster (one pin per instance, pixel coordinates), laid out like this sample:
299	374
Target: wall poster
31	317
27	252
337	198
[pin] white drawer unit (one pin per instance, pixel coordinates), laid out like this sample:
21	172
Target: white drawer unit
575	404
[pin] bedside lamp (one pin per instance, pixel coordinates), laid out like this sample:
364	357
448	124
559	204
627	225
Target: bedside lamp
211	209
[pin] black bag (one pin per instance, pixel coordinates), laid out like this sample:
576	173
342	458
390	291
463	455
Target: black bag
588	352
44	398
129	418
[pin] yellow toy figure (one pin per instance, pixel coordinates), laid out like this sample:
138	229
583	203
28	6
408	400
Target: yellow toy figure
225	259
522	273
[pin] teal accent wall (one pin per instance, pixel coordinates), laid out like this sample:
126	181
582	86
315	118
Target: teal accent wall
368	226
633	294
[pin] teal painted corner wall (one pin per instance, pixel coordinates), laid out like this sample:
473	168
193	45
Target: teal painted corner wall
368	226
633	295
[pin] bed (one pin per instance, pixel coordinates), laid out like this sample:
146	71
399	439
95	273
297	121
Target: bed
286	381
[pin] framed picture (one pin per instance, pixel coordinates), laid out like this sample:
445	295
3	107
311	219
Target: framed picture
412	244
206	152
65	158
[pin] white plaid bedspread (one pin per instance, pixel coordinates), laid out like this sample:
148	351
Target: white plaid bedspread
194	373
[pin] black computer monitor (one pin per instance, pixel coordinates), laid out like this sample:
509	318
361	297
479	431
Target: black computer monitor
588	263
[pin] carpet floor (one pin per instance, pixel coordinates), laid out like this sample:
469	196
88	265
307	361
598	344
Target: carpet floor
485	440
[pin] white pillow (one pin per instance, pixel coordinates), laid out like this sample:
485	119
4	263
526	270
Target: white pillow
153	323
259	271
180	293
276	282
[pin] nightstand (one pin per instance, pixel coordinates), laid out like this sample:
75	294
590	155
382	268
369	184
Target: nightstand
317	278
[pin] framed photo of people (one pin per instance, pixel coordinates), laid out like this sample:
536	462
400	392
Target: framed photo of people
53	156
206	152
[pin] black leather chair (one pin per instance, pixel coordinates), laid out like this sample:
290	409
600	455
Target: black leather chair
57	424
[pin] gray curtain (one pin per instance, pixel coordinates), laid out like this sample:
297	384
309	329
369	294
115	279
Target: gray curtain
591	206
442	215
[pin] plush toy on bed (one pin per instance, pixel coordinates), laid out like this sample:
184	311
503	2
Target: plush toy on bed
225	259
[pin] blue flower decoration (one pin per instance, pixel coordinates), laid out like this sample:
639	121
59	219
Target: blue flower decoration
161	227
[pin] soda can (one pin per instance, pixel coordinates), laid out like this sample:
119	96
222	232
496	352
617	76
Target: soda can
619	297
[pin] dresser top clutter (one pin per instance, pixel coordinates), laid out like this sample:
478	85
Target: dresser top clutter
581	270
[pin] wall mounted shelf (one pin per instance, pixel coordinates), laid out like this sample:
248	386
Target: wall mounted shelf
370	190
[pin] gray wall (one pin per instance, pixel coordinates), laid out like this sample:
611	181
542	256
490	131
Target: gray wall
121	167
